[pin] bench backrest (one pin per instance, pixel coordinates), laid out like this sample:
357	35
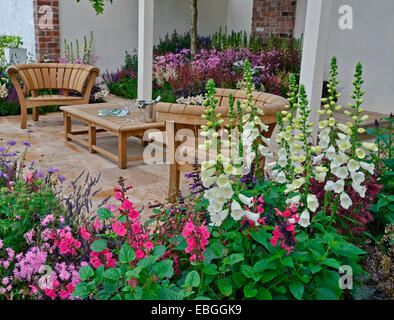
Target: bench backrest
39	76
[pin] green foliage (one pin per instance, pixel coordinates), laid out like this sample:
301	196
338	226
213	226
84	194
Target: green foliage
21	209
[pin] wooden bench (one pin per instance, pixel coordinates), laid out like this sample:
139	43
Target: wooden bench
56	76
179	116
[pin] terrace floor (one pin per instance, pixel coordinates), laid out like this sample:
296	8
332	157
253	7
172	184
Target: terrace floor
49	149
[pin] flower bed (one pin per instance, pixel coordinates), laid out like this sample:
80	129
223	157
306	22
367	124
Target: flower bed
176	74
236	236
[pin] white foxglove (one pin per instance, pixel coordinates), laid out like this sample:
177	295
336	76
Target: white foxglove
346	202
312	202
304	219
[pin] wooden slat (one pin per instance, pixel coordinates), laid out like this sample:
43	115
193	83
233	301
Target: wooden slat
52	73
72	78
81	81
25	77
33	78
66	78
76	79
47	80
40	79
60	76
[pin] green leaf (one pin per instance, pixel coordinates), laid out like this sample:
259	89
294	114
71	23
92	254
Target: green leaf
325	294
164	269
99	245
159	251
233	259
104	214
262	265
297	289
314	268
210	270
99	274
247	271
263	294
126	254
249	291
168	294
287	262
85	273
268	276
147	261
192	279
239	279
112	274
134	272
81	291
217	249
182	245
225	286
332	263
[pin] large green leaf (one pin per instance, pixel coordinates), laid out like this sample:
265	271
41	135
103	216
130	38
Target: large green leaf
112	274
85	273
225	286
126	254
99	245
104	214
249	291
297	289
164	269
192	279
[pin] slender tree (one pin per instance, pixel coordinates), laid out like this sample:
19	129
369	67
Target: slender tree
193	27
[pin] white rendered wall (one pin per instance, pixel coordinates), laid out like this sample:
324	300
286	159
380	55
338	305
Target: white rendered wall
116	30
17	19
369	42
239	15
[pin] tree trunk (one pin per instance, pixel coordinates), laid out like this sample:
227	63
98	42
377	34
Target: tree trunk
193	27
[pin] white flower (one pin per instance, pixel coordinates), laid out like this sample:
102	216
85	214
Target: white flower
216	220
344	145
252	216
297	183
346	202
324	143
340	172
358	177
207	164
312	202
295	199
353	165
208	181
330	153
320	176
236	211
222	180
304	219
338	186
339	159
318	158
227	191
282	154
281	177
214	206
369	146
359	189
368	167
245	200
360	153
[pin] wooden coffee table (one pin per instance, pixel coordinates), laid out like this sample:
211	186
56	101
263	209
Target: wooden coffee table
118	126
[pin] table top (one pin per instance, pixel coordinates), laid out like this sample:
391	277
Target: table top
89	113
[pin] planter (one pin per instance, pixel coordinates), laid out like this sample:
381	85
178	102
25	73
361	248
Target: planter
15	55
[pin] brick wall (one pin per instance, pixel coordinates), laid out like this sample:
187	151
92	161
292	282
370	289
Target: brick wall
47	30
275	16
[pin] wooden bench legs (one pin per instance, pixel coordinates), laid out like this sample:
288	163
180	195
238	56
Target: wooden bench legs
67	126
122	150
35	114
92	138
23	117
174	169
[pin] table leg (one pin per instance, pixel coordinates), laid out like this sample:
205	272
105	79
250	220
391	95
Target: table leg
67	126
173	187
122	150
92	138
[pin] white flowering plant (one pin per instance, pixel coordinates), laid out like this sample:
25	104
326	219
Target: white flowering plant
331	178
221	175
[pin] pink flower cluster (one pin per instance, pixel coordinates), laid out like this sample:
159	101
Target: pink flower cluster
196	239
65	241
285	231
97	258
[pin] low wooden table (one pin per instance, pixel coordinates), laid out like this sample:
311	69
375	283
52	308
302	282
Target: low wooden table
118	126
